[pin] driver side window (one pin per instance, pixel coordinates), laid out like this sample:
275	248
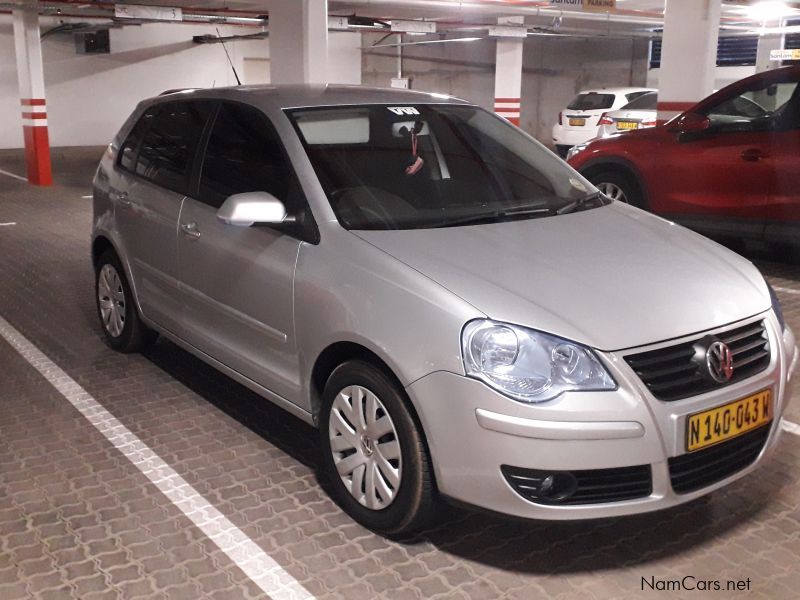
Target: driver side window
243	155
768	107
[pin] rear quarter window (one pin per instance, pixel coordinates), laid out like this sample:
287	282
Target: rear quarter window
648	101
168	149
130	147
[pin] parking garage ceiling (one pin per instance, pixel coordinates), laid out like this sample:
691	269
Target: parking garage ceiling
634	16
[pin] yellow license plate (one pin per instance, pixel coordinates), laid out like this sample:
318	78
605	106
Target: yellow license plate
577	122
627	125
728	421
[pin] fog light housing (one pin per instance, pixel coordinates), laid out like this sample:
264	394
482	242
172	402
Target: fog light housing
544	487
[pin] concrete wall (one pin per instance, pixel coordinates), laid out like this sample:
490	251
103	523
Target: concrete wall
89	96
723	76
554	70
462	69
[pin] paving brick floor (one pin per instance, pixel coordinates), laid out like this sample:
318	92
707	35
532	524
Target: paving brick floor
78	521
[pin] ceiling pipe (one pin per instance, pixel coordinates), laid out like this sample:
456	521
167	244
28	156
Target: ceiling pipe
496	8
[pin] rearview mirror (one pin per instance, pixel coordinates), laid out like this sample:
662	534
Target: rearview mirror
243	210
691	123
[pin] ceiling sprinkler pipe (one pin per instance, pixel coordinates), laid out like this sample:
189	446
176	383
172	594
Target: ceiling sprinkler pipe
494	8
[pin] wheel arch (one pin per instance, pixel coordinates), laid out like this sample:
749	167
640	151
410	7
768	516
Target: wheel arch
338	353
101	244
617	165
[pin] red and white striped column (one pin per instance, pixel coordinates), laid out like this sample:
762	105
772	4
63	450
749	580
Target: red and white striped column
508	73
688	55
508	108
30	73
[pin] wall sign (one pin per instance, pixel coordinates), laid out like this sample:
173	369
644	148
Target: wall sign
785	54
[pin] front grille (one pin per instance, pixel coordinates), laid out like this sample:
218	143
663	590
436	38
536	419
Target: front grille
592	486
675	372
699	469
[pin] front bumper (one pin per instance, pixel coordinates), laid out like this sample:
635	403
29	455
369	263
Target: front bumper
473	430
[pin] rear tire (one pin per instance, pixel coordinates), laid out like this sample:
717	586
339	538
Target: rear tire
374	454
619	186
116	308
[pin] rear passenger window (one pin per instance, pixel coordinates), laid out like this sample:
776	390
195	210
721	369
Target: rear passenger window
127	154
243	155
634	95
170	143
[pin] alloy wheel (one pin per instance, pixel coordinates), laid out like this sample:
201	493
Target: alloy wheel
613	191
365	447
111	300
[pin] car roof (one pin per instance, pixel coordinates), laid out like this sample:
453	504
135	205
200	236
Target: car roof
309	95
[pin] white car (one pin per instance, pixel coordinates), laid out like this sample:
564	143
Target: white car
640	113
579	121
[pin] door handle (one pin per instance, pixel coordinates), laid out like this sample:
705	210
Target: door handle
190	229
753	155
122	198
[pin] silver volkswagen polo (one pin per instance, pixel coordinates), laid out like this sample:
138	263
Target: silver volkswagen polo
460	313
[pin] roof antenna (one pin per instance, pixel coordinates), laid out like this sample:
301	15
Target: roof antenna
235	74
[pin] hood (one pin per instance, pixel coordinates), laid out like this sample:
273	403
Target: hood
612	278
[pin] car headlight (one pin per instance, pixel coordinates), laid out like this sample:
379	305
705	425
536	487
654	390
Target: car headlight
576	150
776	306
528	365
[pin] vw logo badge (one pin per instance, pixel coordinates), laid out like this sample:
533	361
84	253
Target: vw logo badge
719	360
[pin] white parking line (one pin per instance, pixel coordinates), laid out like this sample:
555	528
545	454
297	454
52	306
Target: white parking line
12	175
786	290
790	427
86	197
9	224
245	554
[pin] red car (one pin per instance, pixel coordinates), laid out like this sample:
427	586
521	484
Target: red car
729	166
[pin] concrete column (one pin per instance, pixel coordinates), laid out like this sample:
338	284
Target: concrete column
766	44
298	41
508	73
688	54
28	47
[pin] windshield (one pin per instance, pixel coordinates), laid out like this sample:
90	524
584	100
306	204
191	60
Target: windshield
591	101
646	101
421	166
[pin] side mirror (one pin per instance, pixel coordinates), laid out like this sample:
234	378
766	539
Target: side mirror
243	210
691	123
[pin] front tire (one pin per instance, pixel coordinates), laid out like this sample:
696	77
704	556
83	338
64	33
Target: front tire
119	318
619	186
374	455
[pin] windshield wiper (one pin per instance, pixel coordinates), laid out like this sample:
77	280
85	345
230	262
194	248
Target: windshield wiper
498	214
581	203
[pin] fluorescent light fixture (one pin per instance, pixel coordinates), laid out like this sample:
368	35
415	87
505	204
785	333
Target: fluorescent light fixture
767	10
445	41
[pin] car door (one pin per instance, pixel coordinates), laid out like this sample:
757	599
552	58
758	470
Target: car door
237	282
719	179
783	213
154	164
